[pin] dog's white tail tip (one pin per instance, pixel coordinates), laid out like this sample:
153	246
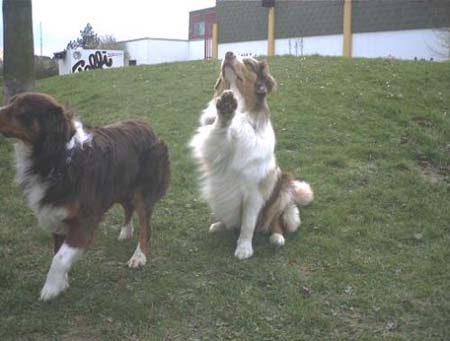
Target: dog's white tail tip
303	194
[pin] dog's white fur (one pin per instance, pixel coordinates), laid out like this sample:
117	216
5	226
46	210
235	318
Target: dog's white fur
126	231
138	259
35	188
80	137
240	159
57	277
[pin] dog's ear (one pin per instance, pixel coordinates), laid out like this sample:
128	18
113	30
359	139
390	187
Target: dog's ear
64	122
58	127
57	119
261	88
269	83
68	125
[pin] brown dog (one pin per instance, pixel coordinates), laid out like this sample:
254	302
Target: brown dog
72	176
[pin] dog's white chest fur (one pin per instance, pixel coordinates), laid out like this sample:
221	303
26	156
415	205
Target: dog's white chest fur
35	188
234	161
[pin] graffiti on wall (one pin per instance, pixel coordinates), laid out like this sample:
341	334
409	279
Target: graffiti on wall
95	60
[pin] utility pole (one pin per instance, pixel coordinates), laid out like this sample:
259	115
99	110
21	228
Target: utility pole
348	38
40	27
270	26
18	45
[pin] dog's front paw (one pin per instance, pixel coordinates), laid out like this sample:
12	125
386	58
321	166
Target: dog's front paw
53	287
138	259
226	106
244	250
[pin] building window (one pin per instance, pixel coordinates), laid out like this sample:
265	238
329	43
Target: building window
200	23
199	29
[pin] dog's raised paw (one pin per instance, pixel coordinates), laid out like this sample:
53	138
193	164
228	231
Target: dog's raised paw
226	104
244	250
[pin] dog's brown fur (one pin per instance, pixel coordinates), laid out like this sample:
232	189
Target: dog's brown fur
124	163
255	84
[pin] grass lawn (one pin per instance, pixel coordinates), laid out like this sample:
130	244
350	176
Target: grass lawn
370	260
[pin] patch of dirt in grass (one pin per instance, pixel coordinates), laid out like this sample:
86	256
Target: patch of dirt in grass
433	173
423	121
82	330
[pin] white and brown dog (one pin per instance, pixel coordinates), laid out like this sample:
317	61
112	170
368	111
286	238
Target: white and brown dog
235	148
72	176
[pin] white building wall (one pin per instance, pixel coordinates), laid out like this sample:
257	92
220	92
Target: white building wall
138	50
246	48
166	51
156	51
324	45
64	66
410	44
407	44
330	45
196	49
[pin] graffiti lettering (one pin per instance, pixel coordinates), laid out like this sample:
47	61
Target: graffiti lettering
96	61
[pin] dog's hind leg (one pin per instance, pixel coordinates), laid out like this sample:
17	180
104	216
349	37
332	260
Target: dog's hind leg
144	208
277	238
126	232
156	167
217	227
291	218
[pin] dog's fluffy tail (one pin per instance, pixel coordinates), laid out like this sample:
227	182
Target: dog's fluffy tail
166	166
160	169
291	218
303	194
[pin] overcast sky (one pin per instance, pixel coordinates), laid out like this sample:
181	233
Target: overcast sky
62	20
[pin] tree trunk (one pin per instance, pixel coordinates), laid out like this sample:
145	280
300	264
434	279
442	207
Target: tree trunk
18	47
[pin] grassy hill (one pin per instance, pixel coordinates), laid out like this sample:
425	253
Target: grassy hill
371	259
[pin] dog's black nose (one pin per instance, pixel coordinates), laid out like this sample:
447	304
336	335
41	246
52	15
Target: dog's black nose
229	55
